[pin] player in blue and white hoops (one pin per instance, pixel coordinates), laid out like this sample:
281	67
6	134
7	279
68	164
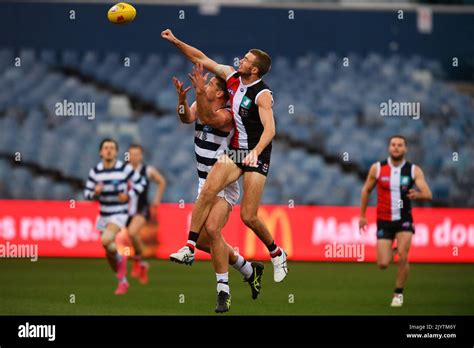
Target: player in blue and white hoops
113	183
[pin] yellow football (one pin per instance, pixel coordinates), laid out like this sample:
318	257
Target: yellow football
121	13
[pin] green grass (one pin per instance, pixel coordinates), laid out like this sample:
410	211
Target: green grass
44	288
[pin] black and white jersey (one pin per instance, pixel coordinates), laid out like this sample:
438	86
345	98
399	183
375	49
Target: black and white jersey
209	144
139	203
243	101
120	178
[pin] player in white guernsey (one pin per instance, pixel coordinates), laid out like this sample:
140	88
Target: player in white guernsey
113	183
213	132
394	179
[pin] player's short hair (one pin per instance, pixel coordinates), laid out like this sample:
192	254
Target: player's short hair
262	61
399	137
136	146
222	85
108	140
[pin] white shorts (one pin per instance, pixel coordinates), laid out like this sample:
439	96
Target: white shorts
231	193
119	219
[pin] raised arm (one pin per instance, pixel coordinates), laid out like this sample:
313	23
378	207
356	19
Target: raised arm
185	113
220	119
197	56
424	193
366	190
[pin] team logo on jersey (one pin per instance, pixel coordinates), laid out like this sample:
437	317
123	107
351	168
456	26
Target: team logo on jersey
207	128
385	178
246	102
231	91
404	180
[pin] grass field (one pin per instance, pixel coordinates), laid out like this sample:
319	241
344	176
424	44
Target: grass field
45	288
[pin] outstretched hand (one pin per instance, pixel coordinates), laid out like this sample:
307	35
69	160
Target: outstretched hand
198	78
182	92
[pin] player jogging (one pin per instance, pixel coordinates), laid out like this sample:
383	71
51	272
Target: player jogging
249	152
213	131
140	211
108	183
394	178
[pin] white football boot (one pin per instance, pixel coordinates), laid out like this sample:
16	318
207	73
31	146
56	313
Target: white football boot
397	300
183	255
280	267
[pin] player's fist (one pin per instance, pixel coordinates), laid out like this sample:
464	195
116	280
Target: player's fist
251	159
363	224
98	189
413	194
168	35
122	197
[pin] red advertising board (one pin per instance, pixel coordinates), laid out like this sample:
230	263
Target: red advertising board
310	233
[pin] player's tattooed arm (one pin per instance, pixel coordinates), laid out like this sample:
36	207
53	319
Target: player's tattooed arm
196	56
184	111
424	192
364	198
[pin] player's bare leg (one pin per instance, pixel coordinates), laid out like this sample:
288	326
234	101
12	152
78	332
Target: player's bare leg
116	261
254	183
215	221
384	252
223	173
403	245
139	267
251	271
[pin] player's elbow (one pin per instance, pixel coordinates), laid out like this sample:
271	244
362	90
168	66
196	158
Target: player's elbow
429	196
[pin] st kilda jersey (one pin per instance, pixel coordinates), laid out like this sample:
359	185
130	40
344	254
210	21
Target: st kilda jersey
393	183
243	101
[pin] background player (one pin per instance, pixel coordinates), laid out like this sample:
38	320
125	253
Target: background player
140	211
394	178
251	104
213	131
108	183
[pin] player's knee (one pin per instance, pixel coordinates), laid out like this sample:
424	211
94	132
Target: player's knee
402	258
108	241
249	218
208	193
383	264
132	232
213	232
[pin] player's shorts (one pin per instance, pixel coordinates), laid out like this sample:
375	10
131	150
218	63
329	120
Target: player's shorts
388	229
231	193
143	210
119	219
263	161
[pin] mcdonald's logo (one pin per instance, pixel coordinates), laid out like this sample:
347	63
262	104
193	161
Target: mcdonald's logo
277	217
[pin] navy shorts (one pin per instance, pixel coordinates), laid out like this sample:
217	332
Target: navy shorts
388	229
